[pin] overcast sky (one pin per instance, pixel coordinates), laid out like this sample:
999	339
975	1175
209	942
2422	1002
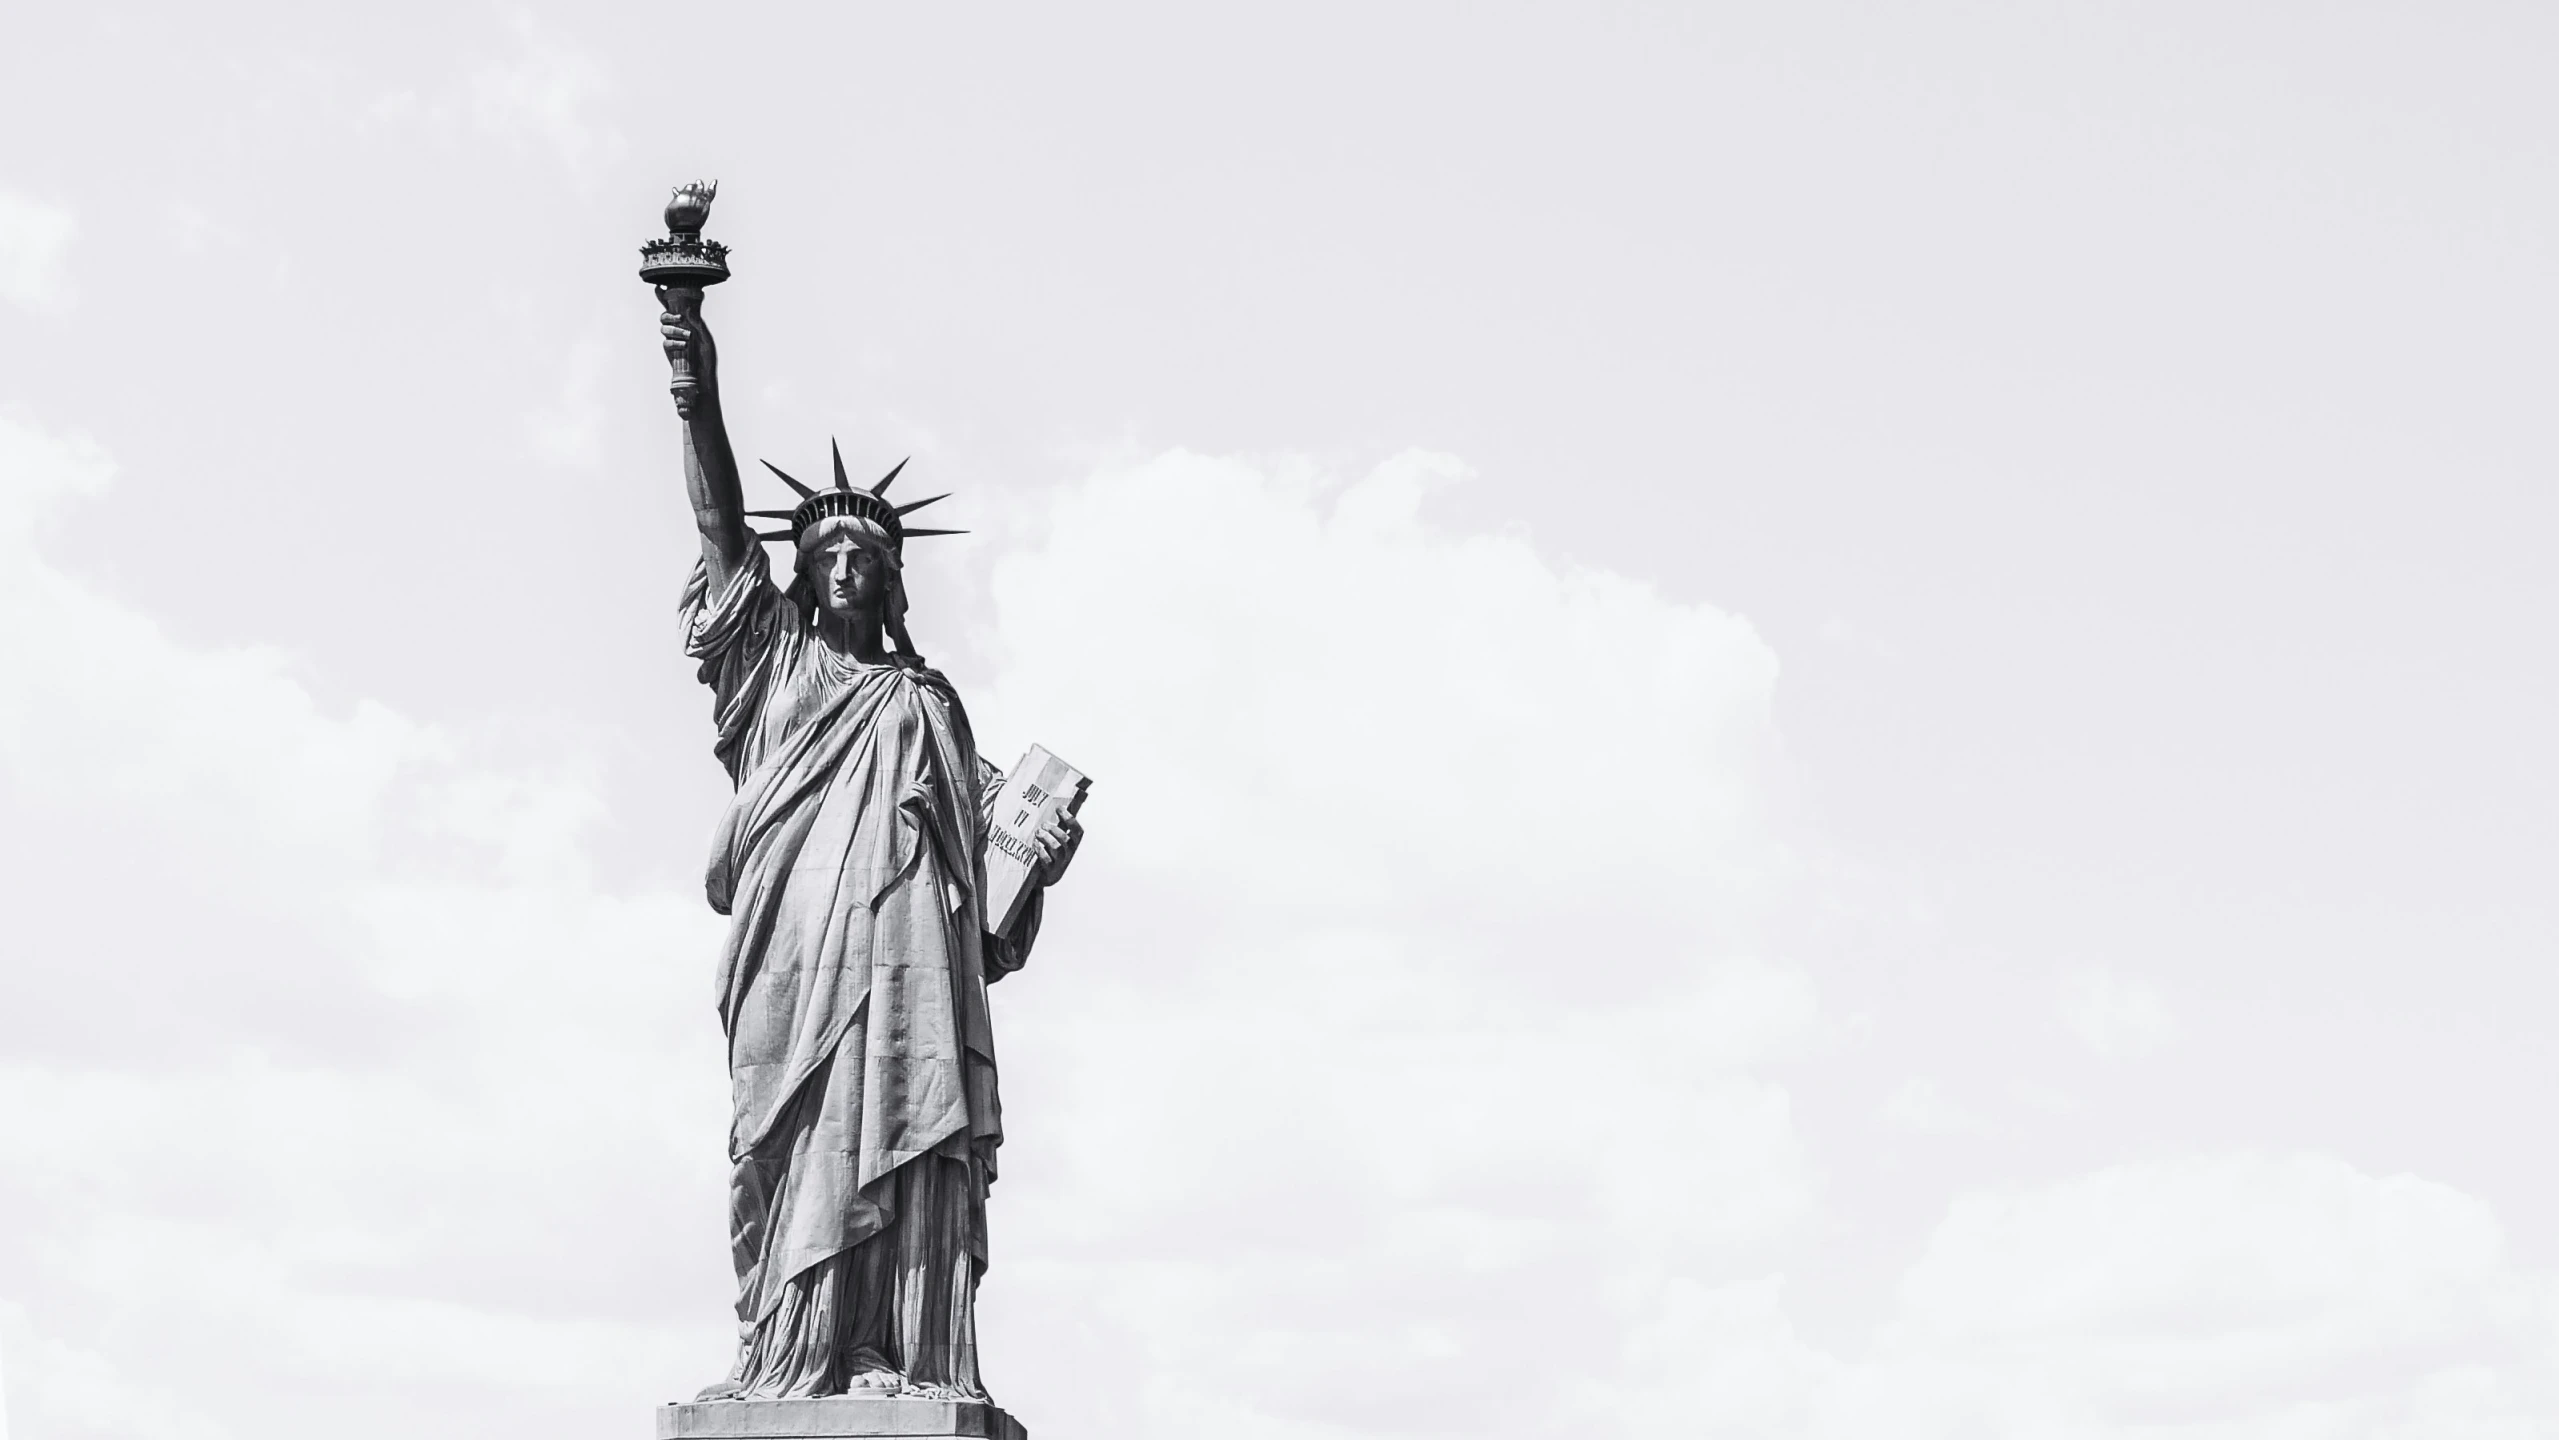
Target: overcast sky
1808	722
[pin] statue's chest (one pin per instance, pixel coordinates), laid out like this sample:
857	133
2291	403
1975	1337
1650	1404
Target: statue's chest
821	692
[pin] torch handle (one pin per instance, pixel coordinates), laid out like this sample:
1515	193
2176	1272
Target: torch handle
685	303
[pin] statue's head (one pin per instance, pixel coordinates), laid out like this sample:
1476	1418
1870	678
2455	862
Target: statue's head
850	545
848	566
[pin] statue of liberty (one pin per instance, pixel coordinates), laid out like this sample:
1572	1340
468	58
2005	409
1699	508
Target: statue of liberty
853	982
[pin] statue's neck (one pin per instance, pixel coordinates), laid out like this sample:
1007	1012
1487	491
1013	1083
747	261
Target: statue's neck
855	636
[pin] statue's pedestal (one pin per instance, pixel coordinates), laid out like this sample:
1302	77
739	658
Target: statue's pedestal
834	1417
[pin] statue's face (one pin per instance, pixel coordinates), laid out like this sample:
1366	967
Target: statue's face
850	577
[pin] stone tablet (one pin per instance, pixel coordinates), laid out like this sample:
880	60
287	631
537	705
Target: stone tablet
1034	793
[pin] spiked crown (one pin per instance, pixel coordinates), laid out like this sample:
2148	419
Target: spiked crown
816	505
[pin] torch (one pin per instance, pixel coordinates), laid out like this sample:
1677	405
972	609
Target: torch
684	263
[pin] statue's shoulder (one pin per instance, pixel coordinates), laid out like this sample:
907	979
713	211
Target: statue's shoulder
928	683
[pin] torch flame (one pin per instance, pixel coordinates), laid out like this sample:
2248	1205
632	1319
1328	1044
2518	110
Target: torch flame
691	207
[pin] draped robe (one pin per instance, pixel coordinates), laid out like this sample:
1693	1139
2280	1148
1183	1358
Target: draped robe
852	988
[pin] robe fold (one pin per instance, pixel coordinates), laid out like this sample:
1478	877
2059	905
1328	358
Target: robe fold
852	989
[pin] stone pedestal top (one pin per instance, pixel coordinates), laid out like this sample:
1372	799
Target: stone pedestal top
834	1417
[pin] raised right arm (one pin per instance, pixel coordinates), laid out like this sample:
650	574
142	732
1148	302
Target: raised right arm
710	466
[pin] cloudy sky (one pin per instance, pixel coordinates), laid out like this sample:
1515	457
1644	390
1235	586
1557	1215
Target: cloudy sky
1809	721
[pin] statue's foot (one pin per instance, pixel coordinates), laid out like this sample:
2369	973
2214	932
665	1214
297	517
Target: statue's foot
875	1382
724	1390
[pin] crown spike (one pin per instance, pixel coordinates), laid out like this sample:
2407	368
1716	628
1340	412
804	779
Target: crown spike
920	504
805	491
773	535
841	482
911	534
883	487
772	514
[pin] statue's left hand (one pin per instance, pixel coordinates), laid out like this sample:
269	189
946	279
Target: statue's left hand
1057	842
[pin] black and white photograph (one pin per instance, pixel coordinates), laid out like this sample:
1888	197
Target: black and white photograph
1405	721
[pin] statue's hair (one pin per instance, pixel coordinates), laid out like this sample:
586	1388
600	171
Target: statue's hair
870	534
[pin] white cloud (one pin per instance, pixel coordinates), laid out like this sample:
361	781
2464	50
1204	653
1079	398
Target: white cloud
352	1084
198	231
1301	691
2219	1295
1718	1360
1427	1032
2119	1017
547	89
543	91
1429	1094
1287	1127
35	248
1396	1062
1919	1105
